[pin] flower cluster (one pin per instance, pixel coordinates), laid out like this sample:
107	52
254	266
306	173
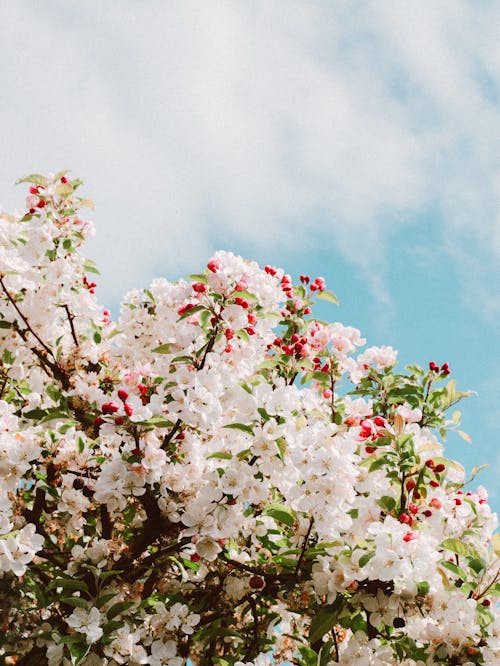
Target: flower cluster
218	476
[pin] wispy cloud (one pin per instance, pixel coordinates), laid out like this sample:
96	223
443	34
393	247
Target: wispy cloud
266	122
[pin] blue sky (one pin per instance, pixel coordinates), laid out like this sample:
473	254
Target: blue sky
355	140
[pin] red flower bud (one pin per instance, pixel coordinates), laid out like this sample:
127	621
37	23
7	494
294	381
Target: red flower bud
200	287
129	410
439	468
213	265
119	420
410	484
110	407
123	395
429	463
405	518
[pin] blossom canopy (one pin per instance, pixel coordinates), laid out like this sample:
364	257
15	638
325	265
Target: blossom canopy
220	476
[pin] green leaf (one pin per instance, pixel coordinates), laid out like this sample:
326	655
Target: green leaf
329	296
109	627
322	622
484	616
269	363
243	335
281	513
455	569
118	608
162	349
182	359
364	559
78	651
157	422
104	599
76	602
459	547
199	277
90	267
248	296
35	178
494	590
5	324
240	426
69	584
477	564
309	656
378	463
281	444
191	311
387	503
222	455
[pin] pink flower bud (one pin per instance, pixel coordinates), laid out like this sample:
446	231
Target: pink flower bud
213	265
409	536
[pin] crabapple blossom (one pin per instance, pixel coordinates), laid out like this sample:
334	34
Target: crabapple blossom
218	476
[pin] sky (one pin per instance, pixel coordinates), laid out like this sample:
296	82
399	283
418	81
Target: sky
354	140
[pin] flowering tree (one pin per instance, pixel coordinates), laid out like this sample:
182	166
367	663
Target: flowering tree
220	476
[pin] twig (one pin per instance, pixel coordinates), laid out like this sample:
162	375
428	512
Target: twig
71	316
170	435
252	650
304	545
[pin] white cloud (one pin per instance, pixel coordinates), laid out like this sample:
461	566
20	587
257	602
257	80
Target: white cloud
270	122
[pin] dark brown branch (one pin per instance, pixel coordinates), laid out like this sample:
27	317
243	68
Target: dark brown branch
24	319
42	356
150	505
304	545
170	435
254	645
209	348
107	526
148	561
71	316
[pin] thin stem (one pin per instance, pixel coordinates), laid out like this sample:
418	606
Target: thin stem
304	545
169	436
24	319
71	316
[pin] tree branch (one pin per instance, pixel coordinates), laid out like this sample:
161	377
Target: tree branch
71	316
